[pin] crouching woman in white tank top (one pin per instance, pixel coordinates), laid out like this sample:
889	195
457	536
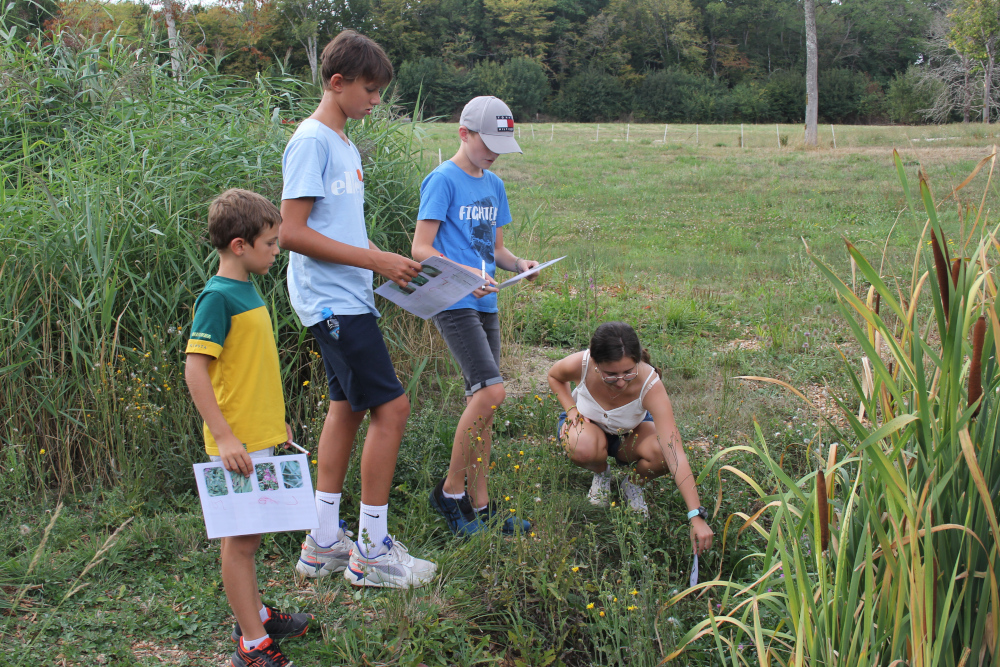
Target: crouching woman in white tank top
620	409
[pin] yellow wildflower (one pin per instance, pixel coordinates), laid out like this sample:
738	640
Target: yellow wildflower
590	605
42	452
602	613
576	568
306	383
634	592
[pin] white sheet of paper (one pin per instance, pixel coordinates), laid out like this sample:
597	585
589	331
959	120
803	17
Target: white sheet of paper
521	276
277	498
440	284
694	572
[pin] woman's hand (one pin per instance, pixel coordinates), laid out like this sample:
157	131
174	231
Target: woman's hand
701	535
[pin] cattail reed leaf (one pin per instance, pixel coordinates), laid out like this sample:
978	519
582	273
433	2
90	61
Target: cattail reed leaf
823	509
941	268
976	368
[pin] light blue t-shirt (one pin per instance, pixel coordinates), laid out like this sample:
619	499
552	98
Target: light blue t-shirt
470	210
318	163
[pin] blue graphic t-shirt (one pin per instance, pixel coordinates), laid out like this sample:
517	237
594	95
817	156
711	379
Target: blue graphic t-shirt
318	163
470	210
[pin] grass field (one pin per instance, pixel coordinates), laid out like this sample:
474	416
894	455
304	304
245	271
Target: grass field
701	246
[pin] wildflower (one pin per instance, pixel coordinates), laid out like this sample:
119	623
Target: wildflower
480	439
493	407
512	510
612	503
631	607
532	533
634	592
306	383
507	498
590	605
480	459
576	568
42	451
314	461
517	467
521	452
602	613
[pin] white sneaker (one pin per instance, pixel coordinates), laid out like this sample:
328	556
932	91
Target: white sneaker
636	501
391	567
316	562
600	489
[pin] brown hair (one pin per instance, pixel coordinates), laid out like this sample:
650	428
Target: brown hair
615	340
354	56
240	214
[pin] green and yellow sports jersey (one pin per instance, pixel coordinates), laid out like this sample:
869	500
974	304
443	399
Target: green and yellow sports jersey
232	325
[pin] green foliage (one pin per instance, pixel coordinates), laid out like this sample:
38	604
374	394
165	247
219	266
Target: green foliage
520	82
442	88
786	97
591	96
104	186
870	559
908	97
676	95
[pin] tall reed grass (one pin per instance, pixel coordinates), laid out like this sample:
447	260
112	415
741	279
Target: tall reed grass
887	553
107	166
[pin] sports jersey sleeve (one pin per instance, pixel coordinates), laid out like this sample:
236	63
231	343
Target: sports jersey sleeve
302	168
435	197
211	325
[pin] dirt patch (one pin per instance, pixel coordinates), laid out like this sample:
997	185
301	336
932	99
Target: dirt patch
526	367
175	655
749	345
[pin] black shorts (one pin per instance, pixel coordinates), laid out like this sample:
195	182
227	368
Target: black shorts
357	363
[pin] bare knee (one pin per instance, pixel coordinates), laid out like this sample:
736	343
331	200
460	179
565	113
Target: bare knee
494	394
240	547
395	412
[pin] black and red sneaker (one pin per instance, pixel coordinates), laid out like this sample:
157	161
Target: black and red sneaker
267	654
280	625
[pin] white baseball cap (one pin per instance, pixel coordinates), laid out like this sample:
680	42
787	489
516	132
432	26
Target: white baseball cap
494	122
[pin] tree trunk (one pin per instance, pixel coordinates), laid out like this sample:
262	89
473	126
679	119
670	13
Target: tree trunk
812	87
966	91
169	8
311	55
988	83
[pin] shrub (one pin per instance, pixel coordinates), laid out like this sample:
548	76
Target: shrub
520	82
840	93
592	96
749	101
675	95
442	88
908	96
786	97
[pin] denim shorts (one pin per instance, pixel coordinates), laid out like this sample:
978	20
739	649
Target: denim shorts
474	340
357	363
614	440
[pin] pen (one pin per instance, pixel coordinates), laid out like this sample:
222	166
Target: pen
301	449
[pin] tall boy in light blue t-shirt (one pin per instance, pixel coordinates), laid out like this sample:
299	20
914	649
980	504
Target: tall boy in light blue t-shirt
463	208
330	270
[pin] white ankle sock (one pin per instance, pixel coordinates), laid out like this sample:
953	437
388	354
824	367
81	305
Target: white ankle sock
264	614
453	496
480	509
251	644
328	509
372	528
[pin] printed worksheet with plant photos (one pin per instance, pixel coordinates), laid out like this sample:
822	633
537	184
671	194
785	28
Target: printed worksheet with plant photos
276	497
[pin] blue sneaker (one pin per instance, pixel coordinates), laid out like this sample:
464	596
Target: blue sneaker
461	518
491	515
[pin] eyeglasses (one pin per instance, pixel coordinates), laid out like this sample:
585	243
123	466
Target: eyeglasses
612	379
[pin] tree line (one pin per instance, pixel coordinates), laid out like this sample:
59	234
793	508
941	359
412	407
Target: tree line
903	61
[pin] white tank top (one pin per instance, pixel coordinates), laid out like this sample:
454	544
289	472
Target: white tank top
624	418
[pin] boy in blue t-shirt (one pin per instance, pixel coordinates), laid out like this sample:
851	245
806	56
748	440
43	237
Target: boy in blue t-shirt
463	207
234	377
330	268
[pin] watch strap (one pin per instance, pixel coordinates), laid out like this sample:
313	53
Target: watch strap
693	513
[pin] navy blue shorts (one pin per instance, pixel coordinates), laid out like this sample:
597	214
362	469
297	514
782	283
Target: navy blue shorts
614	440
357	363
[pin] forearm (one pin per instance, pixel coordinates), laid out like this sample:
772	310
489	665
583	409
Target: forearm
309	242
422	251
562	392
506	260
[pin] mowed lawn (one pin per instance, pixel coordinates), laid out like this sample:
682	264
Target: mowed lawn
702	247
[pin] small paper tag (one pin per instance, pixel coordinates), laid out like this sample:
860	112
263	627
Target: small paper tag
694	572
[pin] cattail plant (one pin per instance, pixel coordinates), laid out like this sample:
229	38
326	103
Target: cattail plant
912	572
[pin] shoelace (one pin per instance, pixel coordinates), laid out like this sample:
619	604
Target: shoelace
272	652
633	492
